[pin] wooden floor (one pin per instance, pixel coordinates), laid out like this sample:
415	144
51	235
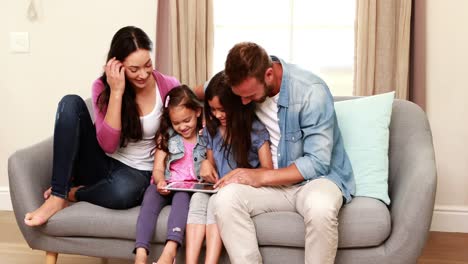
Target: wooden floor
441	248
445	248
14	250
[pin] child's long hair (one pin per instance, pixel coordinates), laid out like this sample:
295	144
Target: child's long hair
179	96
239	119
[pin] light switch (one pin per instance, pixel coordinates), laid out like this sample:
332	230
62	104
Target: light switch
19	42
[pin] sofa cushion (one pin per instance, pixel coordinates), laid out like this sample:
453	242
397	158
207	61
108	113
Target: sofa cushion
364	125
362	223
84	219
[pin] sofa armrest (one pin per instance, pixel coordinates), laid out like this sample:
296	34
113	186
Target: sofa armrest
412	182
29	173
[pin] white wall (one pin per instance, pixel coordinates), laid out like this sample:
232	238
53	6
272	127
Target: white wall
447	94
68	45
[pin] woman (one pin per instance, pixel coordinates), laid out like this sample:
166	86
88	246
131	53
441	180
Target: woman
109	163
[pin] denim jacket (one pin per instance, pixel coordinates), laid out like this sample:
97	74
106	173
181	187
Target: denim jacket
310	136
176	152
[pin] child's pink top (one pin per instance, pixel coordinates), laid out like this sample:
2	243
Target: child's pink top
182	169
108	137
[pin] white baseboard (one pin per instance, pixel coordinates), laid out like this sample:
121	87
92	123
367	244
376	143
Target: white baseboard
450	219
5	200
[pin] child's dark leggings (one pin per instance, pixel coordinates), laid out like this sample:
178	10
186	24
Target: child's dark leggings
153	202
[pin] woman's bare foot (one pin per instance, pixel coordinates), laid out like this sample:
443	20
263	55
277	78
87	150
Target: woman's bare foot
72	193
47	193
46	211
169	253
140	256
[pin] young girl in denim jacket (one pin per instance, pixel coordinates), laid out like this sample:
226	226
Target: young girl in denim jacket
179	152
235	139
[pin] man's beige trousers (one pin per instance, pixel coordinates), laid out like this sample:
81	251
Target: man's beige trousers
319	202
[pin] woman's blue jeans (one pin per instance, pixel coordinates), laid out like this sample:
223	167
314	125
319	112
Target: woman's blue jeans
79	160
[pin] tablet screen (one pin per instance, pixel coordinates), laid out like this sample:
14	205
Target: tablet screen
191	186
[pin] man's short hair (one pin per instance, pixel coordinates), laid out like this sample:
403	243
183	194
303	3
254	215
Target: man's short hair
246	59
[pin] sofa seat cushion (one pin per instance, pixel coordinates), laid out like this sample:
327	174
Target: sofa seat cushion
83	219
362	223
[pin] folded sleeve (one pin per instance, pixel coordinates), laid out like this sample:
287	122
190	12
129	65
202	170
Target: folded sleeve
317	125
208	138
107	137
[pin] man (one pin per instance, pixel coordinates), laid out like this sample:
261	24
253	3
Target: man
312	175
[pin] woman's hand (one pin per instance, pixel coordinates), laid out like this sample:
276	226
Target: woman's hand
208	172
115	74
161	186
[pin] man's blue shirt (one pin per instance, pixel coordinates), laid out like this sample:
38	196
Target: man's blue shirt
310	136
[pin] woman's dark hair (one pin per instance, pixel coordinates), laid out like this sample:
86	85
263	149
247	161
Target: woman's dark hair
126	41
239	119
179	96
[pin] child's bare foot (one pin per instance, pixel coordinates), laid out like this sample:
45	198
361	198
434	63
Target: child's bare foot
71	194
141	256
46	211
47	193
169	253
165	259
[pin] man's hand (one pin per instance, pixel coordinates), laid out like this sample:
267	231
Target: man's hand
208	172
252	177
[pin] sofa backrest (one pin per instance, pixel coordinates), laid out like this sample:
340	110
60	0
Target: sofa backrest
410	141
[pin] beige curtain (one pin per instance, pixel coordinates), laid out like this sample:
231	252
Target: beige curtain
184	41
382	45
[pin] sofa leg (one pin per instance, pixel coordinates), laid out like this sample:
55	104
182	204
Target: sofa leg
51	257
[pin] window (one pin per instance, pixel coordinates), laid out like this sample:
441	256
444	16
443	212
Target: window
315	34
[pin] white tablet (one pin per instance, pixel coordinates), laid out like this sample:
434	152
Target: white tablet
191	187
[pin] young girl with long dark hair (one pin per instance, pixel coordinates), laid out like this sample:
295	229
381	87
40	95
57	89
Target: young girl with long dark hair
179	152
235	139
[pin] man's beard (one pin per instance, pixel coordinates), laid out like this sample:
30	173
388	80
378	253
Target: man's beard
268	89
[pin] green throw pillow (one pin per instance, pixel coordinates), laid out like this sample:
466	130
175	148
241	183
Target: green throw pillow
364	125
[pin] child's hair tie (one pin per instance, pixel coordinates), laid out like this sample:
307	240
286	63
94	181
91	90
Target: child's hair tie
166	104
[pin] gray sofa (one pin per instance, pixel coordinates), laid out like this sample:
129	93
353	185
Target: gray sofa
369	231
